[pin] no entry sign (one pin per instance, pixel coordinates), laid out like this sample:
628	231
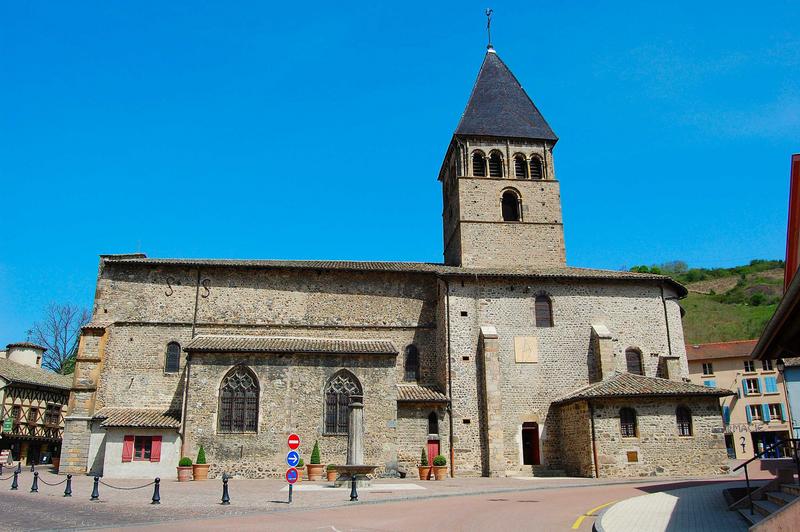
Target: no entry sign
294	441
291	475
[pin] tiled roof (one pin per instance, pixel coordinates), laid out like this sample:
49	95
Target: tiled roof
280	344
565	272
735	349
500	107
23	374
414	393
29	345
139	417
630	385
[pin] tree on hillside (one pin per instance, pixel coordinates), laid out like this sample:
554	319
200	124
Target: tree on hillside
59	332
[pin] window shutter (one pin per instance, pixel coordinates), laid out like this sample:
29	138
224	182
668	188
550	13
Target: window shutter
155	450
772	384
127	448
783	412
744	388
761	385
726	414
749	415
765	412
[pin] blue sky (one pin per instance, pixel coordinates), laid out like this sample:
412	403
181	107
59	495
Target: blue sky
302	131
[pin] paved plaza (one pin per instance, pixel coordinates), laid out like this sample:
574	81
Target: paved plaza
389	504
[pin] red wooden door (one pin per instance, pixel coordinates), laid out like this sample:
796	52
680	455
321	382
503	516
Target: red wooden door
433	450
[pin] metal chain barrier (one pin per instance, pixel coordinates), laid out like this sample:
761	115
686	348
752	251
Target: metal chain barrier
126	489
8	477
56	484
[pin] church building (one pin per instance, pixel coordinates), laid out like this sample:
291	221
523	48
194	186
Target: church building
501	358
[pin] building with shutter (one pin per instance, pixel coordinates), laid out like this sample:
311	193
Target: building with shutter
757	415
34	401
502	358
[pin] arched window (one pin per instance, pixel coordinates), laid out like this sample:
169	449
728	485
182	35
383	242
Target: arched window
433	423
495	164
543	309
520	167
172	362
627	422
683	416
412	363
633	361
510	206
337	396
536	167
478	164
238	401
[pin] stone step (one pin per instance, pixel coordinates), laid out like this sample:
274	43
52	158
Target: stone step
751	519
545	472
793	489
780	498
765	508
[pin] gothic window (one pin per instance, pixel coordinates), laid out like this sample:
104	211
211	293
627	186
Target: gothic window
433	423
627	422
543	309
683	417
337	396
536	167
172	362
520	167
478	164
412	363
495	164
238	401
510	206
633	361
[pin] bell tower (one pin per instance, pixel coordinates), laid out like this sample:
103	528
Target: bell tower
502	204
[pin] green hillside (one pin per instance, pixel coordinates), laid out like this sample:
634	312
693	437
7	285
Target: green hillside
726	303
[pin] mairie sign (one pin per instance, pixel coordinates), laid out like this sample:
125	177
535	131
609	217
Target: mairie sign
292	458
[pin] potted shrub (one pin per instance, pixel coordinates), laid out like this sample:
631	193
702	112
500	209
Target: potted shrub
200	468
185	469
330	472
300	466
423	467
315	468
440	467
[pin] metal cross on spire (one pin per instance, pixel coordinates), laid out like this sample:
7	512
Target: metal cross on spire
489	27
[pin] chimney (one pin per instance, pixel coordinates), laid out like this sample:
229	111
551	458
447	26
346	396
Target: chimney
25	353
603	352
793	227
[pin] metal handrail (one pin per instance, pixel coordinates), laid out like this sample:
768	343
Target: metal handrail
795	446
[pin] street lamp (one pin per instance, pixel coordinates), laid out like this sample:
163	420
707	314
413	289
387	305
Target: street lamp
780	365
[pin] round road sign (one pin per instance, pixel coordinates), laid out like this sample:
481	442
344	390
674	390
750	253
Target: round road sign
293	458
294	441
291	475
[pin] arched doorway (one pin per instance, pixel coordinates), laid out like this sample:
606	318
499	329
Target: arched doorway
530	443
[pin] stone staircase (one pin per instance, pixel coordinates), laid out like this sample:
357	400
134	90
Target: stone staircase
771	502
536	471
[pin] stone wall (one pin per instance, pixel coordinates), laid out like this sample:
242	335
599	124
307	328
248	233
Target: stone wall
658	448
576	439
291	400
412	434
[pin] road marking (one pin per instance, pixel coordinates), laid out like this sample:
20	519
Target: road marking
590	513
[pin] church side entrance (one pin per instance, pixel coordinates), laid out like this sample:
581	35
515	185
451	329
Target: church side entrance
530	443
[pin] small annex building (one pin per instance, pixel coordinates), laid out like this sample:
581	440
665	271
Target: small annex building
502	358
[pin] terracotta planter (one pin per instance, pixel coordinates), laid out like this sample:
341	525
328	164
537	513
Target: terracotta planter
331	474
200	471
440	472
424	472
315	471
184	473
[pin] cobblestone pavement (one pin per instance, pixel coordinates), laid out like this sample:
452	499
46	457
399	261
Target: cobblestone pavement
48	509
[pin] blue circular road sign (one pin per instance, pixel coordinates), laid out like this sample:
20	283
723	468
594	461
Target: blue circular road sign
293	458
291	475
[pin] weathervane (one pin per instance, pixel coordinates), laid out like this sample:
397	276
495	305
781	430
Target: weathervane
489	26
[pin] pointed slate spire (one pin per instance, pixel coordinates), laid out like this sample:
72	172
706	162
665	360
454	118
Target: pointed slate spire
499	107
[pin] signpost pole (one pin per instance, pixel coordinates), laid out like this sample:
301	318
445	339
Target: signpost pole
290	493
292	459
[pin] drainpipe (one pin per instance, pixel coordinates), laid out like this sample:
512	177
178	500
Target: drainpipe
188	366
594	441
666	320
449	380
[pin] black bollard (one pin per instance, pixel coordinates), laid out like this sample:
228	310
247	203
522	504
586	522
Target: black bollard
96	489
226	499
353	491
19	466
35	485
1	469
68	489
32	468
14	484
156	492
